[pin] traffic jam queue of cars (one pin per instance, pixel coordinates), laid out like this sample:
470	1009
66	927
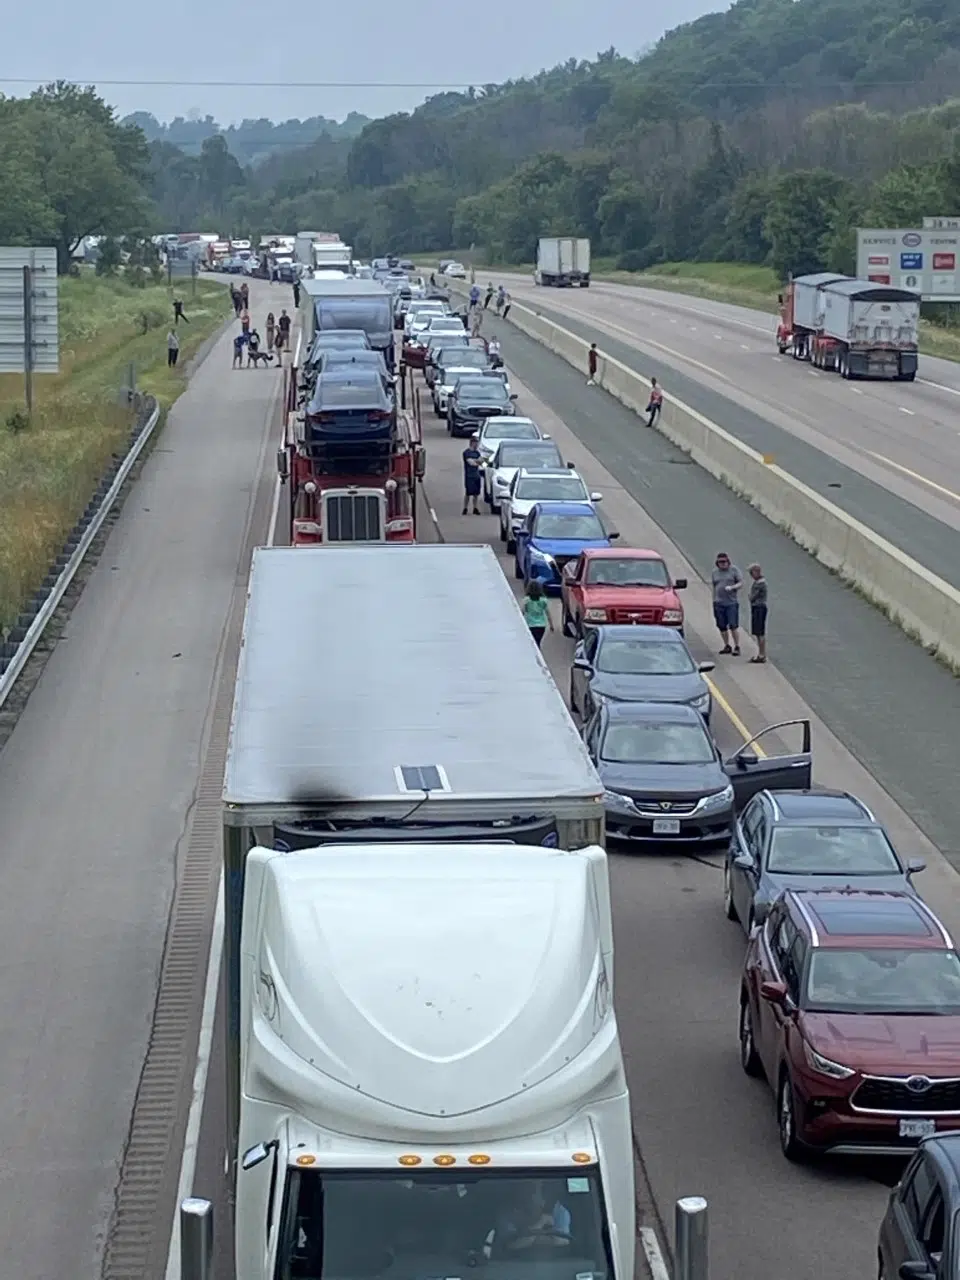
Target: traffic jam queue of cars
849	1004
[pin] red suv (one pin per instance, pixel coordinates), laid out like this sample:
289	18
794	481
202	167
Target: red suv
850	1005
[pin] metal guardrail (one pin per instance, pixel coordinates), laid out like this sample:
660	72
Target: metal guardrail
78	545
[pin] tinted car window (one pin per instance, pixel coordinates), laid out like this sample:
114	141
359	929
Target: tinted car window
546	455
491	392
551	489
644	658
847	851
509	430
652	743
338	393
885	980
579	528
915	1192
628	573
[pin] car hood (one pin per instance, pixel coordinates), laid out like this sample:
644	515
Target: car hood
772	884
663	779
565	546
887	1044
606	597
626	688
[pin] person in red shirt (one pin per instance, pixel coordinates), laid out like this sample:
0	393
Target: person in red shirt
656	402
593	357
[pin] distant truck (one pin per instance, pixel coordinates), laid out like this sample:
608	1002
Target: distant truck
563	261
328	256
856	328
304	242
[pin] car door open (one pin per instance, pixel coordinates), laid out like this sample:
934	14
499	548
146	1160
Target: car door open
751	770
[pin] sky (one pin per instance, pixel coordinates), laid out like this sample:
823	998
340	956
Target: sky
327	58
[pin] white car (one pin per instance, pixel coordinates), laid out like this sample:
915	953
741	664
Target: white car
442	391
505	427
455	270
419	315
529	486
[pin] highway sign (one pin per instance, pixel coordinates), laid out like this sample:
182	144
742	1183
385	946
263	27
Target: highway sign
40	317
921	261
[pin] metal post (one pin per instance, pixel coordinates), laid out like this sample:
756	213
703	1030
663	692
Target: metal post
28	338
691	1238
196	1240
403	385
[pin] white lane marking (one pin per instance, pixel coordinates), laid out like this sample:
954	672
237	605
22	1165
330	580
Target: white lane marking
188	1162
903	410
654	1254
779	359
939	385
433	517
856	391
692	328
718	336
674	320
813	373
744	347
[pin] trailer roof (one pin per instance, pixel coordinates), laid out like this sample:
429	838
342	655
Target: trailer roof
361	661
819	278
352	285
865	291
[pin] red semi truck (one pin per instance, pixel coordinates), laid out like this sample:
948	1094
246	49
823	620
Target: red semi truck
371	500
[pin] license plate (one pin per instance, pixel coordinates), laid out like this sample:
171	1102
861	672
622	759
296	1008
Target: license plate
917	1128
669	827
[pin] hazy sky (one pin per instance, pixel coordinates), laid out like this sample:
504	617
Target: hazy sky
355	43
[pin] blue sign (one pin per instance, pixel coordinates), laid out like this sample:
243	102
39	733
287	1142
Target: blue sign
911	262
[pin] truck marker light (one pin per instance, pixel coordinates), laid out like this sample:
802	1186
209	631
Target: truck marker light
478	1159
410	1160
306	1160
445	1161
581	1157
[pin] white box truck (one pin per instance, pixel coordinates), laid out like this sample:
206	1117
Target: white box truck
563	261
869	330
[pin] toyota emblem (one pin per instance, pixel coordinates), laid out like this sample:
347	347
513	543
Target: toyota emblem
919	1084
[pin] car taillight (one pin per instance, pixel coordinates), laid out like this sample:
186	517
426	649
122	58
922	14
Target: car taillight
379	416
325	417
595	615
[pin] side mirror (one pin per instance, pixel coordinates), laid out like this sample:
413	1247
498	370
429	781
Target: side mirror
256	1155
514	396
774	992
745	759
680	584
704	667
571	467
596	497
743	862
614	535
283	465
915	866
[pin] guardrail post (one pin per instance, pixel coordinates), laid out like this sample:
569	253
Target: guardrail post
691	1238
196	1240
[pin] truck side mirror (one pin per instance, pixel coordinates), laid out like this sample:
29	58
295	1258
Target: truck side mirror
283	465
680	584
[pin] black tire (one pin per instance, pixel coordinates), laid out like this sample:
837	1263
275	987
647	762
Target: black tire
749	1058
729	906
573	701
790	1145
511	545
517	571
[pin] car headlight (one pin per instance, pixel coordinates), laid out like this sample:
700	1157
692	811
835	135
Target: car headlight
595	615
719	800
824	1066
540	556
702	703
673	615
616	801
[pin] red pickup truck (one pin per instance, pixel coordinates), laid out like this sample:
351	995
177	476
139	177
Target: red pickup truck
619	585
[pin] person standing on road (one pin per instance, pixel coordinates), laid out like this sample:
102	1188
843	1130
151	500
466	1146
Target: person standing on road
239	343
507	304
655	403
476	321
536	610
236	300
178	313
593	359
488	296
173	349
471	476
245	295
758	611
727	581
245	321
501	295
283	330
271	327
296	293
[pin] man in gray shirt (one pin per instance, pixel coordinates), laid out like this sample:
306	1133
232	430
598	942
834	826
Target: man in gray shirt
727	581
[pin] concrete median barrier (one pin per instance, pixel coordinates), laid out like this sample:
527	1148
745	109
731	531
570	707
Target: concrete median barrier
925	606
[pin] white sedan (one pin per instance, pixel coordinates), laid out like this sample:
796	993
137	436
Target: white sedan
455	270
505	427
510	456
531	486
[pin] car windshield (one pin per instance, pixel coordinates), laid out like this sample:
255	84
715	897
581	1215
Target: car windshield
467	359
577	528
350	393
639	657
492	391
551	489
446	324
832	851
628	572
885	980
546	455
356	1226
512	430
648	742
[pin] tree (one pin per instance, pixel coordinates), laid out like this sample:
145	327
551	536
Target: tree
218	173
800	217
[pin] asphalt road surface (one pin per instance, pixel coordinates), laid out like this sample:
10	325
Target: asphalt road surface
887	452
701	1125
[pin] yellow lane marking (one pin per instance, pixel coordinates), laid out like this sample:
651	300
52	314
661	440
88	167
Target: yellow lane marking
915	475
732	716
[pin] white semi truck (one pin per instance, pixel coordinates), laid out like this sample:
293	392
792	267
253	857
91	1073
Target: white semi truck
422	1054
563	261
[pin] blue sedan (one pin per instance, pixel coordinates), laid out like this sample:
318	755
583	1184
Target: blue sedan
553	534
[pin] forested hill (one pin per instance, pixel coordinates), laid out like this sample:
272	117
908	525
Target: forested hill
251	141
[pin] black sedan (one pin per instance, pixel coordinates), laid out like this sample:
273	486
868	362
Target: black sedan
475	399
807	840
624	663
664	780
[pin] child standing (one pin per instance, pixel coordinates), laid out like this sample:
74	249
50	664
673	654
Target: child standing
536	610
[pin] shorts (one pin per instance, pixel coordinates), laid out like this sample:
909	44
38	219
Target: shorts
726	616
758	620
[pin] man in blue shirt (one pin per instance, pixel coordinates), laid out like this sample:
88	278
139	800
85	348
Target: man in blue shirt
535	1223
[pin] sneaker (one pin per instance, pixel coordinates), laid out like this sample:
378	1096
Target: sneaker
736	651
726	649
464	511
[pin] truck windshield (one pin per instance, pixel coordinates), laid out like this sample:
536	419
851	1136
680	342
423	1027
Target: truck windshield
547	1224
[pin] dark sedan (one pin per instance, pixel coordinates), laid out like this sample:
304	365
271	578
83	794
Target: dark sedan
664	779
807	840
624	663
475	399
339	361
337	340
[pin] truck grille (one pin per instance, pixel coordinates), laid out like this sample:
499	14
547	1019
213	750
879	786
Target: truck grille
894	1094
647	615
353	517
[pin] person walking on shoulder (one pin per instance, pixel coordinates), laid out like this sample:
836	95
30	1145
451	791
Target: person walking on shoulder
471	476
271	327
727	581
507	304
173	349
536	611
593	359
655	403
758	611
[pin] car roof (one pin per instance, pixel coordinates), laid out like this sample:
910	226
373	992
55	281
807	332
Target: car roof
641	635
565	509
814	808
670	712
845	918
549	473
622	553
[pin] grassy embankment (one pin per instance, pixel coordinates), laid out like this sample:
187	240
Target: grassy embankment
744	286
49	469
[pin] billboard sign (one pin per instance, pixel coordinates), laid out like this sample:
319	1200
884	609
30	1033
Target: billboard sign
44	344
920	261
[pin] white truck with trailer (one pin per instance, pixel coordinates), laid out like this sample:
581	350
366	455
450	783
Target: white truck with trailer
868	330
563	261
418	946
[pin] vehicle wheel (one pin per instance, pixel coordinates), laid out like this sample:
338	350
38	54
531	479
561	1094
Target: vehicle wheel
517	570
787	1119
503	533
729	906
749	1058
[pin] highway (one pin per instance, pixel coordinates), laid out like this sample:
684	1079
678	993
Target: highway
888	453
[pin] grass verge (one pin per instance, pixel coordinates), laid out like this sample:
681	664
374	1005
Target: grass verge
49	469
